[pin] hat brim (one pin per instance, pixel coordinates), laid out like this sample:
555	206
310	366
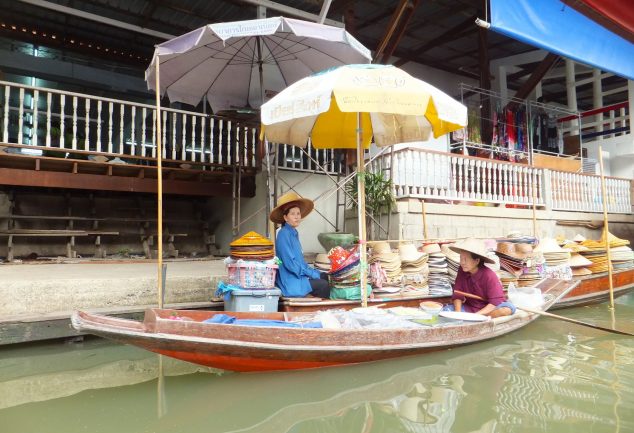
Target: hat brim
305	207
485	259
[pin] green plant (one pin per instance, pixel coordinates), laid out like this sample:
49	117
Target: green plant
379	195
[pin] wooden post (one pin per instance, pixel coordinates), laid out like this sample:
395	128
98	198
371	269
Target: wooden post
606	231
422	203
361	213
159	181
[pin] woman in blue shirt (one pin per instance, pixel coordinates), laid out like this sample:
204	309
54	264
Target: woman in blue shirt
294	277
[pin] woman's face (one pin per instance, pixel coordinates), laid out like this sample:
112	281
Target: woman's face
293	217
468	263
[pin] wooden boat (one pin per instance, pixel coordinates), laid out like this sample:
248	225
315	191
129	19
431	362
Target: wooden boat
262	348
592	289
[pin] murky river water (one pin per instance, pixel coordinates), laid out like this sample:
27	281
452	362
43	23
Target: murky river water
548	377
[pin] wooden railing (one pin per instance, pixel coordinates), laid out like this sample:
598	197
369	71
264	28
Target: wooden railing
435	175
65	120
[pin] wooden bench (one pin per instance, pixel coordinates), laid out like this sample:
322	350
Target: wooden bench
70	234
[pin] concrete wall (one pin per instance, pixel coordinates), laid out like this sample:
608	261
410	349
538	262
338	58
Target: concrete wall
449	221
311	186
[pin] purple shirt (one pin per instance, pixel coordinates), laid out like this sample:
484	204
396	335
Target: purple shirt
484	283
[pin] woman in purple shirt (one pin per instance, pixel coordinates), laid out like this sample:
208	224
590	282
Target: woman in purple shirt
476	279
294	277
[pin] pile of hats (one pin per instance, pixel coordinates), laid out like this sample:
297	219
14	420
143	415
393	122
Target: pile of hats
556	259
453	261
322	262
620	254
344	268
252	246
514	256
519	260
439	282
390	263
413	266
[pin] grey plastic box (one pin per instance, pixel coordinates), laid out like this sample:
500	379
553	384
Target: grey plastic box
254	301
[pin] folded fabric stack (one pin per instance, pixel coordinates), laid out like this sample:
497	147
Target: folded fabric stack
322	262
453	262
413	266
439	282
557	259
252	246
390	264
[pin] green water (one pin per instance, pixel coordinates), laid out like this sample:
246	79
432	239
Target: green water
548	377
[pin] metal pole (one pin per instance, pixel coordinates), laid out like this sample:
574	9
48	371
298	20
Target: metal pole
159	181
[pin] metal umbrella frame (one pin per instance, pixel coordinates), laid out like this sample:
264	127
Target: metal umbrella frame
348	106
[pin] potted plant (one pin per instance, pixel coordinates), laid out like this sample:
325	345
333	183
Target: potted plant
379	197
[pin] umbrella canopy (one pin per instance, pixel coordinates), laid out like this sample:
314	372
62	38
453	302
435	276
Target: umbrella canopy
235	64
346	106
395	108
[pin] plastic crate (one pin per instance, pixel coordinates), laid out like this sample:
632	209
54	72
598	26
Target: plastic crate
261	301
253	275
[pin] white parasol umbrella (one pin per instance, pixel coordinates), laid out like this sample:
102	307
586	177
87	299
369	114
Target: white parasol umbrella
236	63
348	105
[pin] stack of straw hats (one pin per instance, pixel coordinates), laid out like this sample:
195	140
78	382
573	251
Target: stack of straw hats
578	264
553	254
322	262
252	246
439	282
514	256
389	261
413	265
453	262
596	252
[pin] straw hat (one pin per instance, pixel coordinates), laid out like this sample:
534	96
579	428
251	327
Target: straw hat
381	248
474	246
287	201
580	272
516	251
409	253
431	248
577	260
550	245
579	238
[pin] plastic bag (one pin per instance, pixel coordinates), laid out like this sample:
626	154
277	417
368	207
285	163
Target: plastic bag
529	297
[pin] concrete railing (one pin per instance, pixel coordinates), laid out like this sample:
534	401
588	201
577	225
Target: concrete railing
426	174
65	120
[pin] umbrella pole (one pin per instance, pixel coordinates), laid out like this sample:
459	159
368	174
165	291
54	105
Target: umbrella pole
361	214
159	182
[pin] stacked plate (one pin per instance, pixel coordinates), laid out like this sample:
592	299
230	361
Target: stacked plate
389	261
439	282
252	246
413	265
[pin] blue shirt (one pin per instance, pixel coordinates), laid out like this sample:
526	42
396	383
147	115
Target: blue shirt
293	274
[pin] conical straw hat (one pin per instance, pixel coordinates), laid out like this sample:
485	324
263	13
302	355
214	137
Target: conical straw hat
475	246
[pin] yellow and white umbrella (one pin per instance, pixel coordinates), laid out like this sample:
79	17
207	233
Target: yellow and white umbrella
345	107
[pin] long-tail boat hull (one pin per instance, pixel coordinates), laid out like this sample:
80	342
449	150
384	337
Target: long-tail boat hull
263	348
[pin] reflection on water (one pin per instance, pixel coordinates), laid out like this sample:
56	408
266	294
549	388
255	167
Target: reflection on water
548	377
